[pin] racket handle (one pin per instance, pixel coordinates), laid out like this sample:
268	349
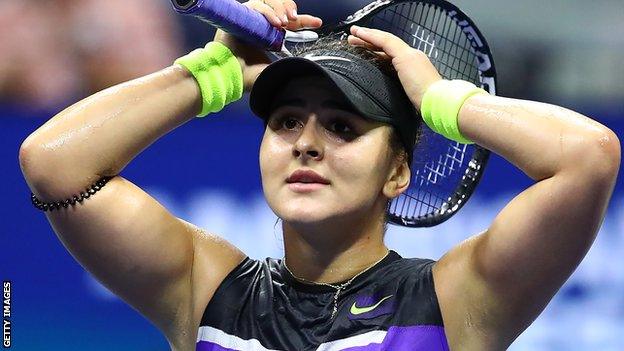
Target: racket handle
234	18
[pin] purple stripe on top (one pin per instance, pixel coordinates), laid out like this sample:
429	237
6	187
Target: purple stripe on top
210	346
415	338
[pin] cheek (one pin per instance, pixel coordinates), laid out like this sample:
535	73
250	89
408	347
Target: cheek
264	155
272	157
361	167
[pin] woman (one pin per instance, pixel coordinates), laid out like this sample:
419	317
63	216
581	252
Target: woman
328	171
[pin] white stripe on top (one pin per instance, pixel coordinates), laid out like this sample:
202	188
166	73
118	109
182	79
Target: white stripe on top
371	337
223	339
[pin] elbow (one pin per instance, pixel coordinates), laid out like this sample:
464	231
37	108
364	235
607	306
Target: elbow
599	154
608	152
38	165
37	172
30	162
49	172
26	156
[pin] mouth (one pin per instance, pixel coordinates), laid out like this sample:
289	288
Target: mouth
305	187
306	180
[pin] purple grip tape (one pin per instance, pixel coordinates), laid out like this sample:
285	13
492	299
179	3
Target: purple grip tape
232	17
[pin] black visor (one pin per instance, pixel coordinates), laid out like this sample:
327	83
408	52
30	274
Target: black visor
371	92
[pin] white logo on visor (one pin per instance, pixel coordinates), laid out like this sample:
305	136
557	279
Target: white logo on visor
312	57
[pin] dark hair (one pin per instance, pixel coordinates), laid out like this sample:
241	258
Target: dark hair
335	42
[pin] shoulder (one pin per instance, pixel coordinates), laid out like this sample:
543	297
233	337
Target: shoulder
249	280
415	265
414	270
251	270
464	298
248	271
407	286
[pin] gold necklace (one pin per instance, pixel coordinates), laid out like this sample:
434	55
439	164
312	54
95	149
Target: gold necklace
338	288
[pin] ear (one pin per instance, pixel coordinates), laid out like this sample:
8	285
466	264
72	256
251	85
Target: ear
398	181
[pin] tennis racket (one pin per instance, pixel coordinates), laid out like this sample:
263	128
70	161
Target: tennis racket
445	173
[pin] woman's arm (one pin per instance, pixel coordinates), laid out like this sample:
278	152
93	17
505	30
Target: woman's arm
161	265
500	280
101	134
492	286
122	235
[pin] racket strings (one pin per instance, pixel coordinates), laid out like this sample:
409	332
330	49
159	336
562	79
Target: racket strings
430	29
419	25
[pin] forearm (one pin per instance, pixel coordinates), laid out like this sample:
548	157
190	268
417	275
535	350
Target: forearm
101	134
538	138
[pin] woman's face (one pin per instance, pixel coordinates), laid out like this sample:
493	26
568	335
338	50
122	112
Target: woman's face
312	128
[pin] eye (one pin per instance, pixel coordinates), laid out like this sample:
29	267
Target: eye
284	121
290	123
340	127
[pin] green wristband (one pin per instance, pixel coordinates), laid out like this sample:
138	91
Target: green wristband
218	74
441	104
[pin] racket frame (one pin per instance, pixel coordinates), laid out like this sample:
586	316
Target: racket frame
487	77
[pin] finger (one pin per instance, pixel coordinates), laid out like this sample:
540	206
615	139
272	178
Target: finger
291	9
355	41
376	51
266	10
382	55
280	10
389	43
305	22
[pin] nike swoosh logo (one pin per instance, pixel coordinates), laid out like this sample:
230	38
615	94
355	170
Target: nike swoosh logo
359	310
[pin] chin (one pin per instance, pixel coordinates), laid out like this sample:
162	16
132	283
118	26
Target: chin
309	213
301	213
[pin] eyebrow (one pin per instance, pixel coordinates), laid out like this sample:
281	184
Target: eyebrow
298	102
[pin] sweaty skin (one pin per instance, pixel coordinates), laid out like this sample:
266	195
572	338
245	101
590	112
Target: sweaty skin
168	269
163	266
493	285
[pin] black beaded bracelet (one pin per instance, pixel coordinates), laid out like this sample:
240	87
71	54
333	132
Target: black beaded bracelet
45	206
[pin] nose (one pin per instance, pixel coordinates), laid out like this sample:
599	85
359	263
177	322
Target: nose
308	145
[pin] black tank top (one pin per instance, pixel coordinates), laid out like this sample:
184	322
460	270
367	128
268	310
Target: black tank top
260	306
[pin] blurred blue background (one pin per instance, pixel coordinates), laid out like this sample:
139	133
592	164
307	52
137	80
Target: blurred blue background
53	53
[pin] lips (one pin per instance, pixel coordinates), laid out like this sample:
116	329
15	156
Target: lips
307	177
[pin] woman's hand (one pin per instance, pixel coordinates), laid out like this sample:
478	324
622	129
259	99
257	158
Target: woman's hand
280	13
415	70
